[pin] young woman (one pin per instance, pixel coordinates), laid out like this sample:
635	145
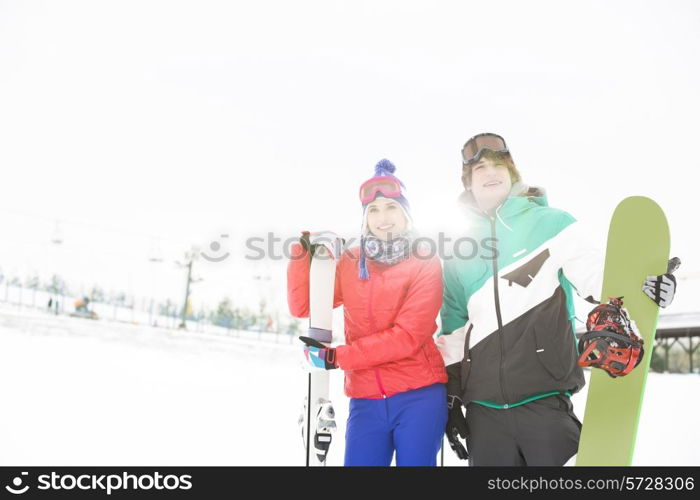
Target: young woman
391	293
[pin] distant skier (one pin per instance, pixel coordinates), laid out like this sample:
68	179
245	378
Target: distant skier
391	295
507	317
81	305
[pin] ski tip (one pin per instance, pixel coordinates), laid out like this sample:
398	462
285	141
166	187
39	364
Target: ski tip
640	200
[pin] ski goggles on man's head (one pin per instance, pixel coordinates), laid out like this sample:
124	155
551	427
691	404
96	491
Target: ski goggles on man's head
475	146
388	186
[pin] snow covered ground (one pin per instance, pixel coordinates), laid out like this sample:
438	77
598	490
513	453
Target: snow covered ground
81	392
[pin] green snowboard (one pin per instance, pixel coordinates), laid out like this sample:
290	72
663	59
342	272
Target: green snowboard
638	246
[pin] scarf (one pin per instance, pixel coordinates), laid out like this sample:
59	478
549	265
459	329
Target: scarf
389	253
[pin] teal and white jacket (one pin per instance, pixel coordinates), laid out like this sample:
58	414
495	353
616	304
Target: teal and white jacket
507	333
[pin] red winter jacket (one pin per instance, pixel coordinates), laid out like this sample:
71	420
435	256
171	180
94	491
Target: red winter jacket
389	321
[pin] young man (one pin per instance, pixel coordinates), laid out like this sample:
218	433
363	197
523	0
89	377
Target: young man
507	317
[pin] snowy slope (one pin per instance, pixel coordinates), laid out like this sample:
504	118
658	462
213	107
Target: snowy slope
81	392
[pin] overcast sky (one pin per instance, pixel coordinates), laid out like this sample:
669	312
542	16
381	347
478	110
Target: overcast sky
146	127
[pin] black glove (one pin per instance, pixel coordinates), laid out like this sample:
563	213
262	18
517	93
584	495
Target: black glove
662	288
456	428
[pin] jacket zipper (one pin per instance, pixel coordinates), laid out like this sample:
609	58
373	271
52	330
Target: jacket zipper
498	315
374	330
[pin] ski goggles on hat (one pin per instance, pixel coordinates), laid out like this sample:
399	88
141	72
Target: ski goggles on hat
388	186
475	146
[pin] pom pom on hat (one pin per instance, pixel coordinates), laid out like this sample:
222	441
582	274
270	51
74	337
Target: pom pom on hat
384	167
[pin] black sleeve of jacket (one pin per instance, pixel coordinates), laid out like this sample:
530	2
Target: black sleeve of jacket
454	384
454	319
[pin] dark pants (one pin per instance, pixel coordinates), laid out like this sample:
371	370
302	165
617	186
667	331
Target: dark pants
542	432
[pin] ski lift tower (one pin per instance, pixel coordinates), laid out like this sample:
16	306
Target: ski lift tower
190	257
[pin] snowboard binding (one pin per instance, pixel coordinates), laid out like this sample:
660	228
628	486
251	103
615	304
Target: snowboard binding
611	342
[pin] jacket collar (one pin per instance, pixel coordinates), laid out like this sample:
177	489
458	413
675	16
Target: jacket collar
521	198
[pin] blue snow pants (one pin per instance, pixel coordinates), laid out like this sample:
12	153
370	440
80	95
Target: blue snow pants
411	423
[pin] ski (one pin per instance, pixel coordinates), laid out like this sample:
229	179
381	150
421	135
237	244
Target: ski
319	416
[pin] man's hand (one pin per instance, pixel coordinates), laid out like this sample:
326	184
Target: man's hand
662	288
456	428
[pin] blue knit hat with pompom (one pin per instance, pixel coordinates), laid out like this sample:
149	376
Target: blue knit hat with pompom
383	168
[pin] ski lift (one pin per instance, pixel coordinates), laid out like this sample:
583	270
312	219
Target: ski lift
57	235
155	254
